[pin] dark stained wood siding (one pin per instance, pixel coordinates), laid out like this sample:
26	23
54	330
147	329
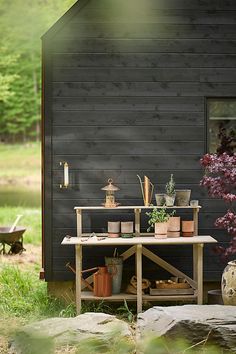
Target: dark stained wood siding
126	88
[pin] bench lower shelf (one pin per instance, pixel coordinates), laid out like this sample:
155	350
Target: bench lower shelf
88	295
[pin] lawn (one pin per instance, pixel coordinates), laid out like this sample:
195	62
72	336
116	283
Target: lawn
20	163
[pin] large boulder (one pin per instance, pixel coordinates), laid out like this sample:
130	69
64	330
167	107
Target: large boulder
193	323
71	331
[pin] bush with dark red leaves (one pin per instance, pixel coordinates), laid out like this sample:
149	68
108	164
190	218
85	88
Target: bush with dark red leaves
220	181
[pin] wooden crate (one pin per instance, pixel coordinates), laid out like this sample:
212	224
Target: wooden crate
154	291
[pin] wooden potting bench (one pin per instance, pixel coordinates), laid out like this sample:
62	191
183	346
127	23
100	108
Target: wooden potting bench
138	247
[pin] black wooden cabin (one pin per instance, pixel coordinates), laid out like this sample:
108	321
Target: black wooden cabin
127	86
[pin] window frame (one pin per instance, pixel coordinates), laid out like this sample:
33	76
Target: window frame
207	118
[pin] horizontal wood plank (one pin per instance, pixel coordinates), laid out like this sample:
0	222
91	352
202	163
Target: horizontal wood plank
148	30
127	118
137	89
145	60
95	162
129	148
144	45
129	133
164	4
101	74
170	104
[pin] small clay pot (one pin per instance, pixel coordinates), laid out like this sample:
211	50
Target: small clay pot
187	228
127	227
113	235
113	227
174	223
160	199
182	197
161	229
173	234
169	200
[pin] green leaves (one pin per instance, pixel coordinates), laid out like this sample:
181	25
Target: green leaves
170	186
157	216
20	63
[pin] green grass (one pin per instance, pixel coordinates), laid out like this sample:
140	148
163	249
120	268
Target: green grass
31	220
23	295
20	161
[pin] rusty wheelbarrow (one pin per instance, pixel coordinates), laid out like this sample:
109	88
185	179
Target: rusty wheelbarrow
13	239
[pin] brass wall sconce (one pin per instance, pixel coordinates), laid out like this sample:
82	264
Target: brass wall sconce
65	183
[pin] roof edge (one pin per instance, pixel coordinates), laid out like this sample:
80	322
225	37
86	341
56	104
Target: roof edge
61	22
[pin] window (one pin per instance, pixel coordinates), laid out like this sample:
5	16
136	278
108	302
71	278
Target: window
221	125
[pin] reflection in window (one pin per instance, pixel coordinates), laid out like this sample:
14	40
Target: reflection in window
222	125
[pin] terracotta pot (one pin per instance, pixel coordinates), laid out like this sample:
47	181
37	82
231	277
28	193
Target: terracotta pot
127	227
187	228
111	235
169	200
160	199
113	229
228	284
102	283
161	229
182	197
173	234
174	223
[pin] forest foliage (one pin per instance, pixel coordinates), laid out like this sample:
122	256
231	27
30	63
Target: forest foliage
22	23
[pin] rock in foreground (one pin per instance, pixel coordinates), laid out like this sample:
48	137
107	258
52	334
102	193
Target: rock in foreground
191	322
72	331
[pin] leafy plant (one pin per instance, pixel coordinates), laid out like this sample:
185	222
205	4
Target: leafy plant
158	216
170	187
220	181
126	312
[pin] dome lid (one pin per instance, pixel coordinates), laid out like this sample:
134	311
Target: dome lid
110	186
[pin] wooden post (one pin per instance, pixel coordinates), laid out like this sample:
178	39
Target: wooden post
137	213
195	262
78	255
195	219
198	271
139	277
79	222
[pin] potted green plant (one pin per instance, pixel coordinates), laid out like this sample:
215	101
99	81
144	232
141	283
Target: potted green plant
158	219
170	192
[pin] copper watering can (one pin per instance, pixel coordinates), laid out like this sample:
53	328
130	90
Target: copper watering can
147	189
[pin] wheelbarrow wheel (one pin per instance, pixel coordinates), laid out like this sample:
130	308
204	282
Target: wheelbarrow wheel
16	248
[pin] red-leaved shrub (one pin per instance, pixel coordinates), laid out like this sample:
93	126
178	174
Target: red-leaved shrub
220	181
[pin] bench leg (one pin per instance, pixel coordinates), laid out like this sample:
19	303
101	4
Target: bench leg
198	270
139	277
78	251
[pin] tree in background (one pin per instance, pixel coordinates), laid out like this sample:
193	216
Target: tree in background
22	24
